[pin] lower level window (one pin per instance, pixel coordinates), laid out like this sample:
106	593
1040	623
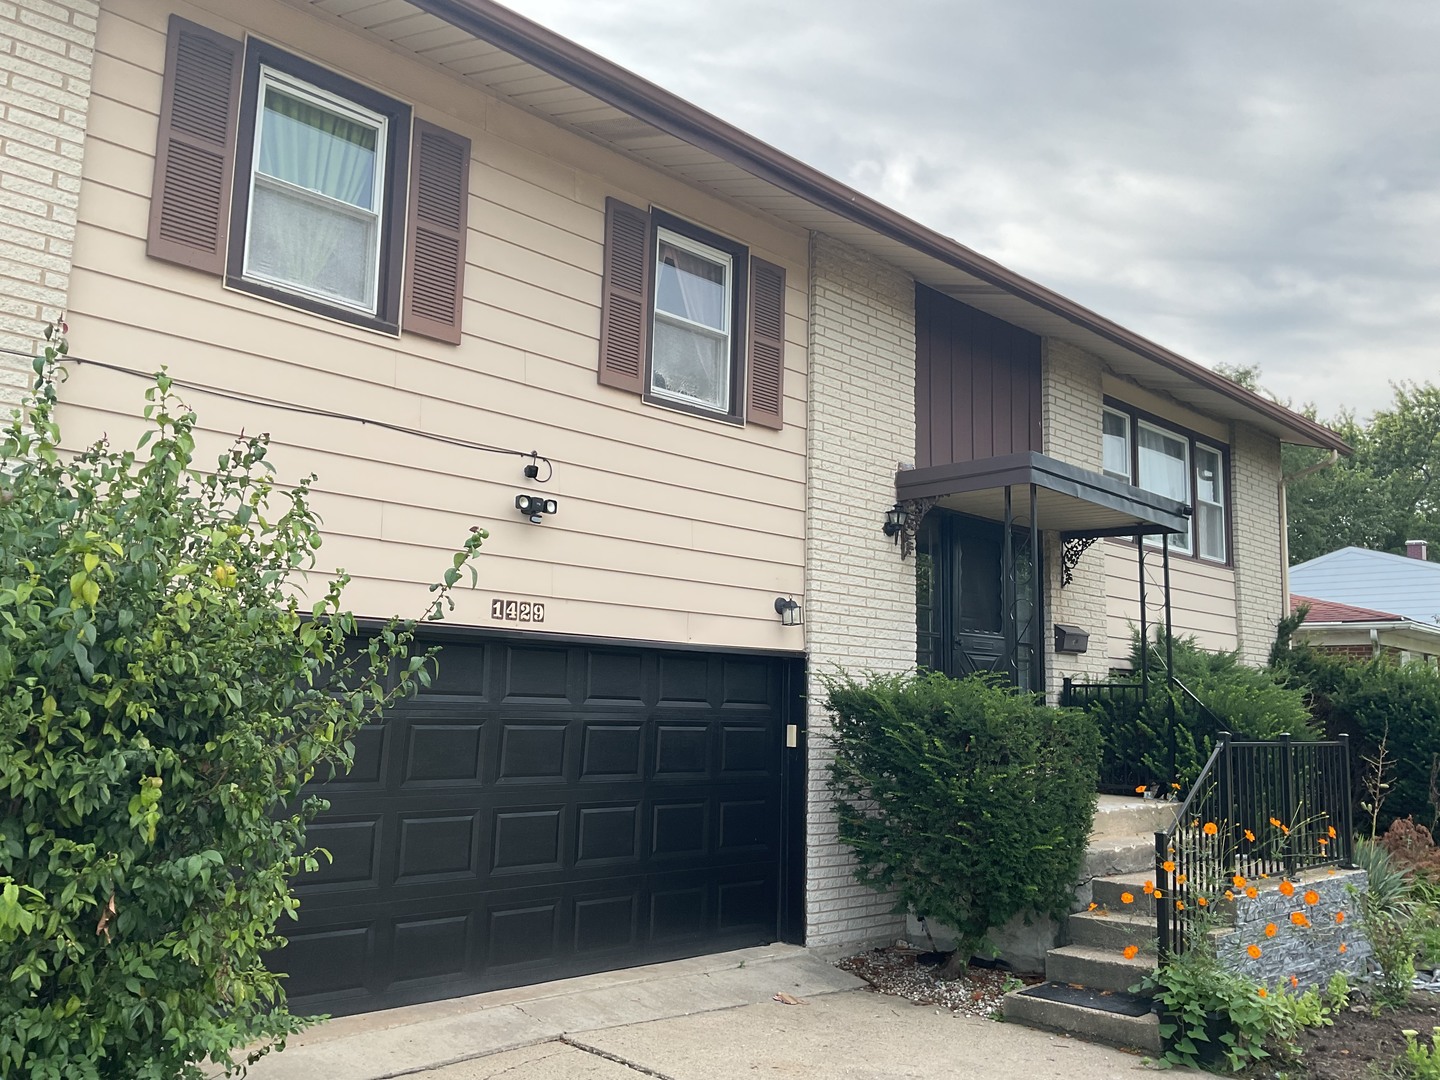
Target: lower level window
692	343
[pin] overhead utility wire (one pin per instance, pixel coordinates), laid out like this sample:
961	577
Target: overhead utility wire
307	410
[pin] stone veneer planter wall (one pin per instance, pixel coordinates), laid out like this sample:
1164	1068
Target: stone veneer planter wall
1311	954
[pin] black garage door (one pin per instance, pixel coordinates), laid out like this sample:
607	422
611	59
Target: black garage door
543	811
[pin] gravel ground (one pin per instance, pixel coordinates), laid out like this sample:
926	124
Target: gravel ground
896	970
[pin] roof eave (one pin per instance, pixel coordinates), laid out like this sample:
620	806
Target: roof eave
644	100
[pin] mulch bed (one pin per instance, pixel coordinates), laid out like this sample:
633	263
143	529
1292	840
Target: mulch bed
908	972
1361	1046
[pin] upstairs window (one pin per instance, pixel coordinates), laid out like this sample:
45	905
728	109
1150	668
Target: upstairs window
691	346
1170	461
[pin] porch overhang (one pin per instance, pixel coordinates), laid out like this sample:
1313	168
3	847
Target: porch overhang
1075	502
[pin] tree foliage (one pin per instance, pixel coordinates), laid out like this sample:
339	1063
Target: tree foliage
971	801
162	700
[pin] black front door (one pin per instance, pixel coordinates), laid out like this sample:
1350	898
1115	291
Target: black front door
967	583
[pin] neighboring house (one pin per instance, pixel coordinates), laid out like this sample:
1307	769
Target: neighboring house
1408	584
439	217
1366	634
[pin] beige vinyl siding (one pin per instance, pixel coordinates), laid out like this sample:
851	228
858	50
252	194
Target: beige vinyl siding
671	527
1202	598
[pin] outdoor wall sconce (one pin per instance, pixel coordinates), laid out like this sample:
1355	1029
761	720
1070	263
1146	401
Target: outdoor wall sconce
895	519
789	610
535	508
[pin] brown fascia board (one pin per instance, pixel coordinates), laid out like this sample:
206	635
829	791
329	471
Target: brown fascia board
644	100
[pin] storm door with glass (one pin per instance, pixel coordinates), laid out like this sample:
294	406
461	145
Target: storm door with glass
966	582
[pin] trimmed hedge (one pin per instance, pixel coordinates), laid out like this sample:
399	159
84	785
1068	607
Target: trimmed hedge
970	800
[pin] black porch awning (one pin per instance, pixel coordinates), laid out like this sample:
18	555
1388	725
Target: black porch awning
1075	502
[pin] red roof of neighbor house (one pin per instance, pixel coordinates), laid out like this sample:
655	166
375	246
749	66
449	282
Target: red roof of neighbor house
1328	611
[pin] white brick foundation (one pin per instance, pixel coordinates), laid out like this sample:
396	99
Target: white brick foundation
1255	494
46	54
859	594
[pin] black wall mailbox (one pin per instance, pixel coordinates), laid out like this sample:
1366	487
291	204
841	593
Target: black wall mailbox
1070	639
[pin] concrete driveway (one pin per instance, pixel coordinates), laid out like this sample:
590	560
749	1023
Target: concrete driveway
712	1018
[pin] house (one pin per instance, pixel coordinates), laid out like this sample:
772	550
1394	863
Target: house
456	265
1408	584
1366	634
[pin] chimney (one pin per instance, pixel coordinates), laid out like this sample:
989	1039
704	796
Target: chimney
1416	549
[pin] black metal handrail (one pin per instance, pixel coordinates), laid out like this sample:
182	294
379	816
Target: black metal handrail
1257	810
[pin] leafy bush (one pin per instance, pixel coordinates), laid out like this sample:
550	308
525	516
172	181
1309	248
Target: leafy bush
1141	738
162	700
1373	701
972	801
1388	911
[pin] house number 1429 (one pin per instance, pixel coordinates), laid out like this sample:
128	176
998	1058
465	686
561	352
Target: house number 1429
517	610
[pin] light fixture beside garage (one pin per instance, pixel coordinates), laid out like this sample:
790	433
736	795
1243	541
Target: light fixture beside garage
535	508
895	519
789	610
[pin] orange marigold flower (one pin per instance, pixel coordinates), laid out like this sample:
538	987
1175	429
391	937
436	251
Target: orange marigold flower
1131	951
1174	786
1311	896
1287	889
1141	789
1168	866
1127	898
1294	982
1285	829
1093	906
1339	916
1322	842
1254	951
1229	895
1158	894
1332	831
1148	887
1299	918
1211	828
1179	905
1263	992
1202	901
1275	821
1249	836
1343	946
1180	879
1238	881
1252	892
1270	929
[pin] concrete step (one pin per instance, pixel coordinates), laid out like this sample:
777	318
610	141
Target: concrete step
1112	930
1108	856
1100	969
1128	1032
1107	891
1119	816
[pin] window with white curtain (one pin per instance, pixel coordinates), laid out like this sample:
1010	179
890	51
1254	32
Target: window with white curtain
1116	438
691	346
316	195
1209	503
1162	465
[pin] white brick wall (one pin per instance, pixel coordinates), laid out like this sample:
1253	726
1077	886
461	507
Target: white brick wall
46	53
859	594
1072	397
1255	491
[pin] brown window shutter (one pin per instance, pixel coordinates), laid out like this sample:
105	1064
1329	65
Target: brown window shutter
435	233
625	297
766	375
195	157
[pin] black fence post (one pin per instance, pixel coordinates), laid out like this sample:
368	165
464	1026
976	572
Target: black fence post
1287	797
1347	807
1164	903
1227	804
1065	692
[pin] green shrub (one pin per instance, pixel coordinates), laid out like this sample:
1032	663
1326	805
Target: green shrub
970	800
1373	701
1390	920
162	699
1250	703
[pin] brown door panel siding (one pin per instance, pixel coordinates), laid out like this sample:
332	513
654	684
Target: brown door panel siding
977	384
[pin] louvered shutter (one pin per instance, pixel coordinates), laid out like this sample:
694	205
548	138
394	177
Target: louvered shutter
625	297
766	375
435	233
195	156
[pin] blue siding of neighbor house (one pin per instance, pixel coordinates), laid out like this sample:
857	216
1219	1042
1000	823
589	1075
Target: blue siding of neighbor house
1373	579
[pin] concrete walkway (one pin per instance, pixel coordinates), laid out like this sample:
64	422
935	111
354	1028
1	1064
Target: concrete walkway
710	1018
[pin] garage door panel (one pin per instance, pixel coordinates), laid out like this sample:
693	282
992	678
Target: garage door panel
542	811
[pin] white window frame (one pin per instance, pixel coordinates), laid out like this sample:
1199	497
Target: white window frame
1128	478
324	99
1184	543
1223	487
725	336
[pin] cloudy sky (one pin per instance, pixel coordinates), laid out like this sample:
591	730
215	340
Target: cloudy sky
1243	181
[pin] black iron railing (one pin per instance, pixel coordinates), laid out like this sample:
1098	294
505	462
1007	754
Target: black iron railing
1118	774
1258	810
